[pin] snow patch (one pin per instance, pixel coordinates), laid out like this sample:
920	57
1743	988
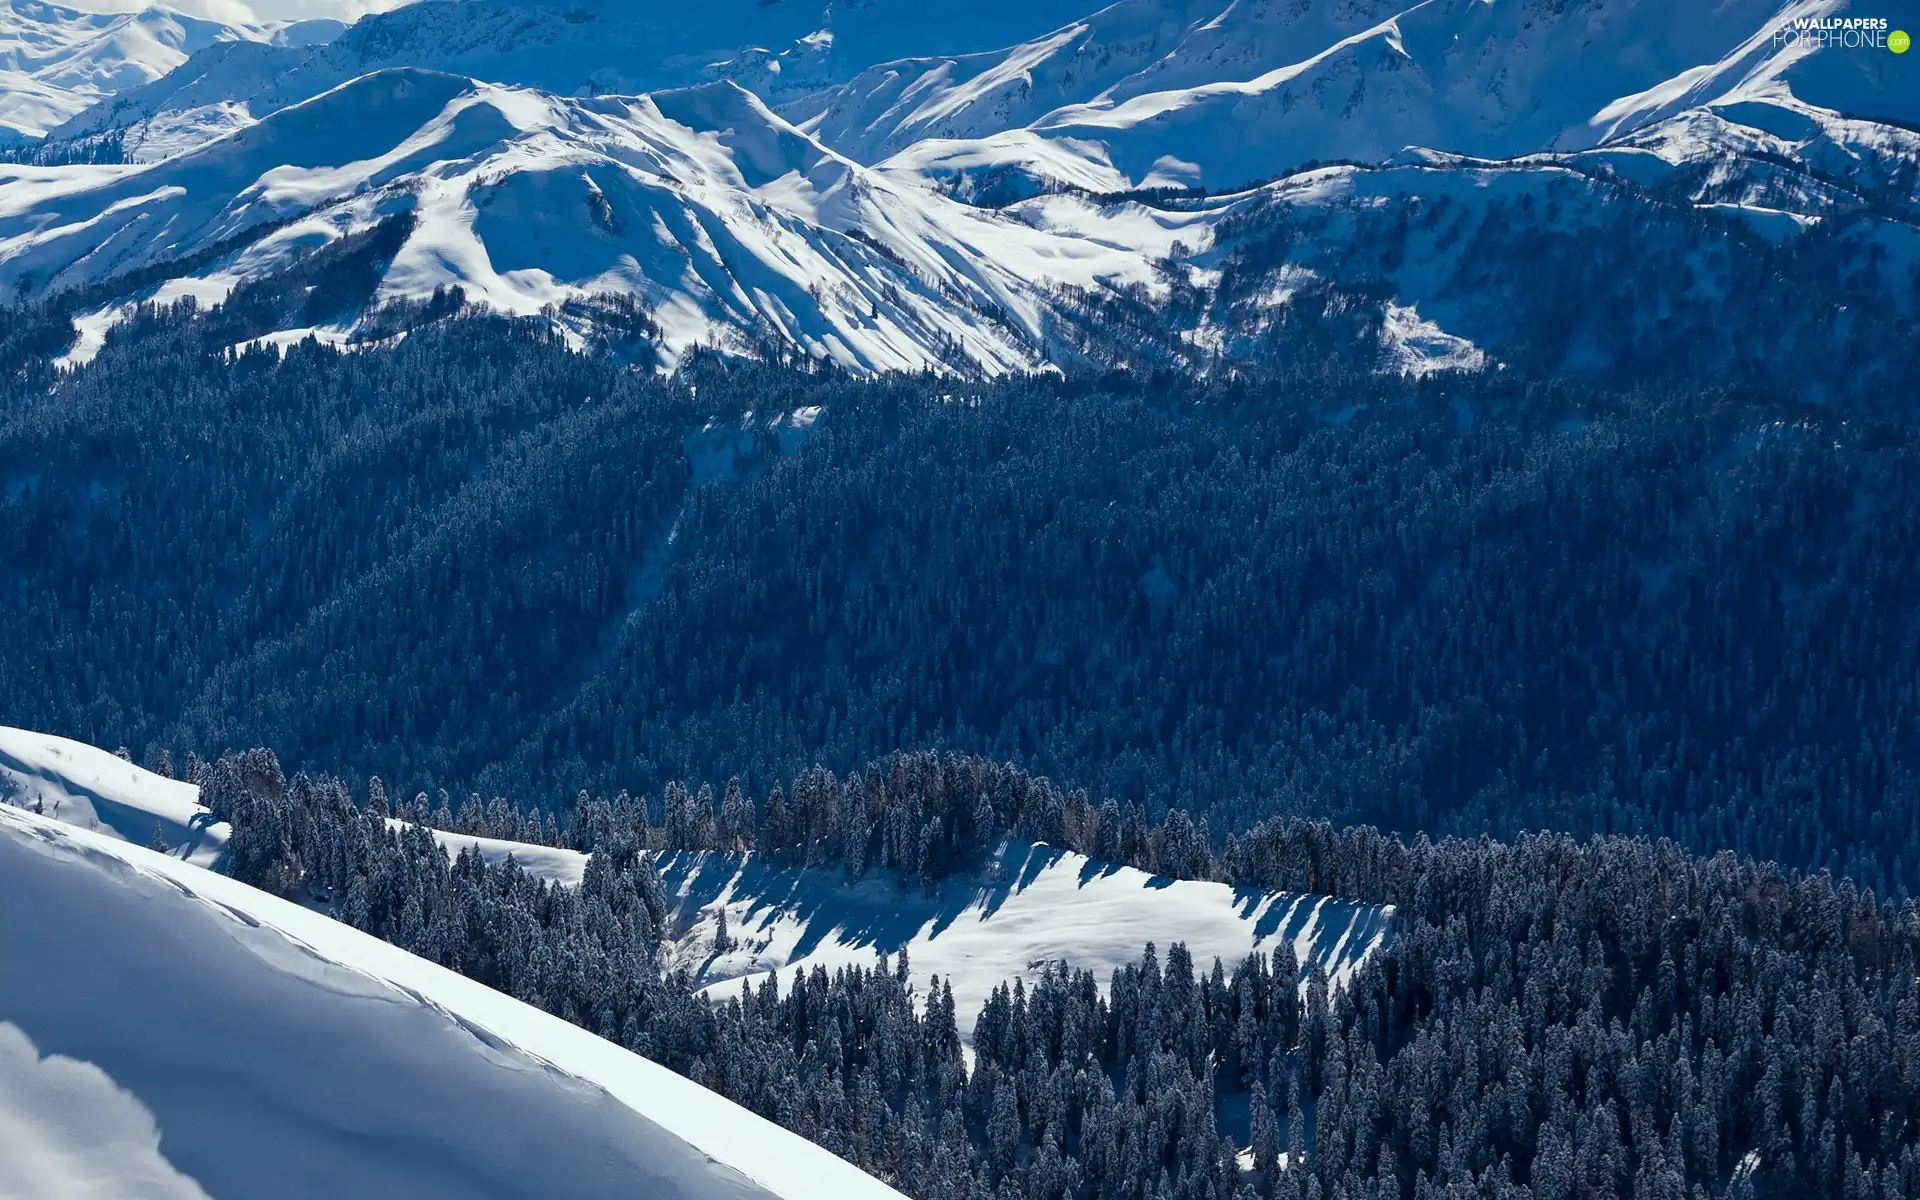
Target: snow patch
550	863
1417	346
1034	905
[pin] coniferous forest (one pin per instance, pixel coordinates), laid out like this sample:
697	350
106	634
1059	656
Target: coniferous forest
478	561
1549	1018
1611	695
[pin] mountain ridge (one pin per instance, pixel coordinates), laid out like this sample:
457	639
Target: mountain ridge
920	214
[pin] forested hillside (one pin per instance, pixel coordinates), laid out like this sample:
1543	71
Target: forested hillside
477	560
1548	1019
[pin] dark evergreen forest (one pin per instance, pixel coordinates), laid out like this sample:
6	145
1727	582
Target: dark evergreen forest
469	558
1549	1018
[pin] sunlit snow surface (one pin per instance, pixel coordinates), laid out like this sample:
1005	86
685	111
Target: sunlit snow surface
726	220
742	212
282	1054
1027	907
85	786
1034	906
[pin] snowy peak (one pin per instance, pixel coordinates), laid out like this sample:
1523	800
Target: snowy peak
580	49
793	196
56	62
761	146
735	227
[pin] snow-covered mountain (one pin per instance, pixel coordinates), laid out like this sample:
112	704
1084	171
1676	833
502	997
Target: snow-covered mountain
727	221
780	175
168	1032
588	47
1223	92
56	62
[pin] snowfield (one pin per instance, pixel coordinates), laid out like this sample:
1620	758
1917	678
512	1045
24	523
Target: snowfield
1034	905
281	1054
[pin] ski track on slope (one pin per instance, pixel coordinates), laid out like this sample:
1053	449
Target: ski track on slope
284	1054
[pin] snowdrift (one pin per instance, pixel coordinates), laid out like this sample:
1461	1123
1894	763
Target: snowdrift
278	1053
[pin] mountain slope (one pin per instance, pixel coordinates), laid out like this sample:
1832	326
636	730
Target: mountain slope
344	1065
730	224
588	47
86	787
911	217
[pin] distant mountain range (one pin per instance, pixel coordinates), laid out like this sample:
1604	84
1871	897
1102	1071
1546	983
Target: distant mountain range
57	62
1002	187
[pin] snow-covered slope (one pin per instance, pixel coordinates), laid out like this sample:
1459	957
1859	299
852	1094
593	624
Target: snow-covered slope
87	787
281	1054
732	225
908	215
1160	92
555	864
1033	906
56	62
589	47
